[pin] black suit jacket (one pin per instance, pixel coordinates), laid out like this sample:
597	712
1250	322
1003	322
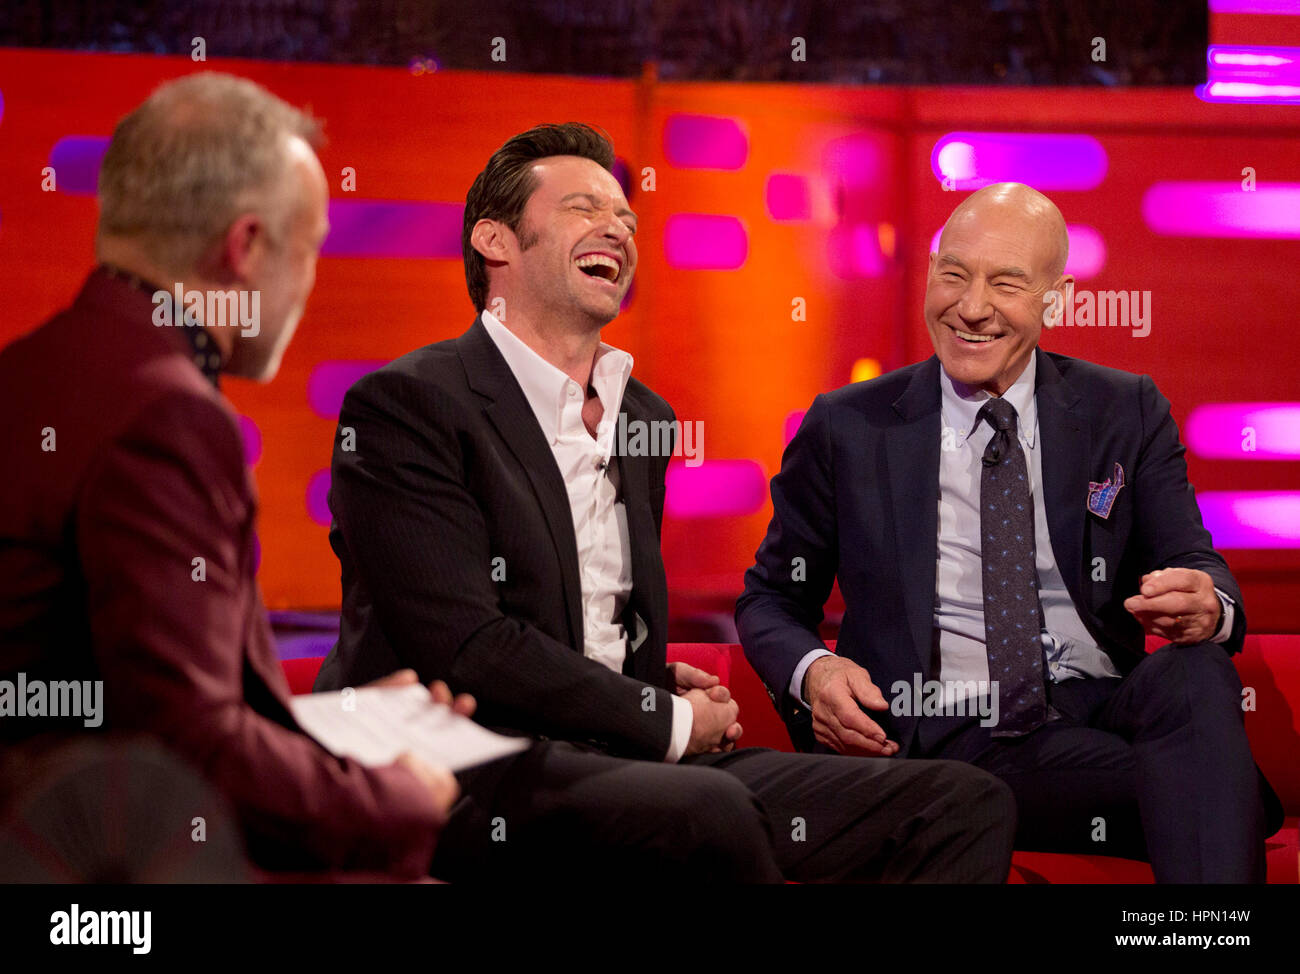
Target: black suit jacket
857	498
459	557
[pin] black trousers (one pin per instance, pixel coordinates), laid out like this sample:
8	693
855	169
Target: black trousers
557	812
1152	766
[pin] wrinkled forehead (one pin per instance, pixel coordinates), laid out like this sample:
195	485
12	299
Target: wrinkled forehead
995	237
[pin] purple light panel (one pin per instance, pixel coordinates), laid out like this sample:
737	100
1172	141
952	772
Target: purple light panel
1194	209
1087	250
1252	74
252	437
705	242
715	488
329	380
1215	430
1046	162
76	160
788	197
393	228
318	492
791	425
1252	518
705	142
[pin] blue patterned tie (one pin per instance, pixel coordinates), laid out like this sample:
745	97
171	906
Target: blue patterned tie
1012	613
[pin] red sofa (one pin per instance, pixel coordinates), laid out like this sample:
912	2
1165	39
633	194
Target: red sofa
1269	664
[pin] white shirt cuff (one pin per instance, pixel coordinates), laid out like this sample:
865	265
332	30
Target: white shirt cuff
796	681
1225	624
683	721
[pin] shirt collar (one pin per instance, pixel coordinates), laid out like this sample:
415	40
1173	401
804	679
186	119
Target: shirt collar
546	387
203	350
961	404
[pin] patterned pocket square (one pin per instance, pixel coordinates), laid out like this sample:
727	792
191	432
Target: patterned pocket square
1101	496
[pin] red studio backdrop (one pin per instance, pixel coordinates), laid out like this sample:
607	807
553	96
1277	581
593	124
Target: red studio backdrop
824	202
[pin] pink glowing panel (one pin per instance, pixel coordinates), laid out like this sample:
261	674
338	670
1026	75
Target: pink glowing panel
1252	74
1245	430
705	242
331	379
1255	6
1249	92
1046	162
705	142
1252	518
318	492
252	437
715	488
1196	209
788	197
791	425
854	165
1087	250
853	251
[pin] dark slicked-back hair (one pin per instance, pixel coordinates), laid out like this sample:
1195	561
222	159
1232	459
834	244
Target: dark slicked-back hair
501	190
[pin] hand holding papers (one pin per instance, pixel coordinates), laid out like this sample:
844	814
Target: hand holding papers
374	725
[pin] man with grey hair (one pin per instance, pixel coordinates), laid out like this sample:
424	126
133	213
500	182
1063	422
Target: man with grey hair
127	544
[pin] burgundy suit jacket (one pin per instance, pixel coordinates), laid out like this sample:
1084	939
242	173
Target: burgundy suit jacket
98	541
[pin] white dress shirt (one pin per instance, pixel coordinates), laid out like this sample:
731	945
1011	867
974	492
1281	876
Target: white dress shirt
599	517
1070	651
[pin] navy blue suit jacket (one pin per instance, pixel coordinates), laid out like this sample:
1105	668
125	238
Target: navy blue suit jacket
857	499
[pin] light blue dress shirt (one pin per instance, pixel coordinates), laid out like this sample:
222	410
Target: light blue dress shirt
1070	652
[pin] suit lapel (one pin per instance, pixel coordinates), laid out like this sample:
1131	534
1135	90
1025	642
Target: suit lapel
649	595
508	411
1065	439
912	451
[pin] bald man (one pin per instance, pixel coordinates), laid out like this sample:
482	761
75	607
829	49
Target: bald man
1005	525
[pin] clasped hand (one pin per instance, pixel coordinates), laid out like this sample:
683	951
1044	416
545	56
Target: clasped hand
713	726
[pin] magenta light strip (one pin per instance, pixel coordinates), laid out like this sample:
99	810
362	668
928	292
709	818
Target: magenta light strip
1255	6
1245	430
1087	250
318	492
252	437
788	197
1195	209
705	142
1252	74
330	380
394	228
715	488
969	160
1252	519
705	242
791	424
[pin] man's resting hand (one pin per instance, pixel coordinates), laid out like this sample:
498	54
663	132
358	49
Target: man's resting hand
836	690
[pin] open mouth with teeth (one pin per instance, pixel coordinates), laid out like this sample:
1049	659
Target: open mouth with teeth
599	266
970	338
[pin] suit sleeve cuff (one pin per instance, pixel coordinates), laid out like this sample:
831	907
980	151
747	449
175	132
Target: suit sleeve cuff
796	681
1225	623
683	720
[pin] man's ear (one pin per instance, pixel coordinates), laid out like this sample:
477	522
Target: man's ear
493	240
1063	290
241	248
